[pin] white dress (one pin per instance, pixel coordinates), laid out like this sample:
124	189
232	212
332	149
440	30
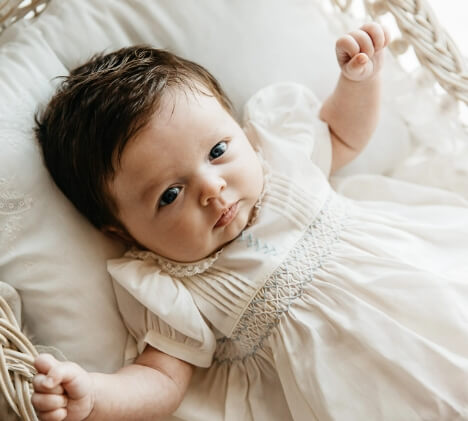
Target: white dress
324	308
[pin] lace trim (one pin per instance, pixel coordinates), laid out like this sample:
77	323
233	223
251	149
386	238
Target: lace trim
177	269
285	285
180	269
12	202
12	205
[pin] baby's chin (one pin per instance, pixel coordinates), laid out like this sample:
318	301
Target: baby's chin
199	253
228	238
224	237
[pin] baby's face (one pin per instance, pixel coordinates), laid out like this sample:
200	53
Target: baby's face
189	180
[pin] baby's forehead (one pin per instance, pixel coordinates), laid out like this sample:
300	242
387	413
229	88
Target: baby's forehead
189	107
181	115
192	91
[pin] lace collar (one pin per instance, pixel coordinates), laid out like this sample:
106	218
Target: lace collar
173	267
180	269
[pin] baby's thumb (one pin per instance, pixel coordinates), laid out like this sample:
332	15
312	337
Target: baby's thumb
73	378
358	67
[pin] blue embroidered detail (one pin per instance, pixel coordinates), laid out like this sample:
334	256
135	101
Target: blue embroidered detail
253	242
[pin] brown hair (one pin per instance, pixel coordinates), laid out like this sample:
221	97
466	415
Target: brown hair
98	108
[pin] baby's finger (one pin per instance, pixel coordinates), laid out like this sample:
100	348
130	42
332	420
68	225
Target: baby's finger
74	379
359	67
376	33
64	372
358	61
39	385
44	362
346	46
56	415
45	402
366	45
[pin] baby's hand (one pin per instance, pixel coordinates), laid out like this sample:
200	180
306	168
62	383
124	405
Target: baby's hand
61	390
360	53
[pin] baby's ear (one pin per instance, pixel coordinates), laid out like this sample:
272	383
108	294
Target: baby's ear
120	234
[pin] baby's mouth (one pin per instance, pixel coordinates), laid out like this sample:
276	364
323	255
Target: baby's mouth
227	216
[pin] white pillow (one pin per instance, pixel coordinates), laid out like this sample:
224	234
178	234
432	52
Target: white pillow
48	252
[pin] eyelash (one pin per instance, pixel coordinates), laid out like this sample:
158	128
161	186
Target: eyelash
164	202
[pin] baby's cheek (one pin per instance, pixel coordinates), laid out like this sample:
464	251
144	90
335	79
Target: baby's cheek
254	176
192	232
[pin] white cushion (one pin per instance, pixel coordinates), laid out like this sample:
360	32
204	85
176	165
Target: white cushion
48	252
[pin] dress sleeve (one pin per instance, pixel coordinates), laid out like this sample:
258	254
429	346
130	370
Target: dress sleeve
158	310
285	116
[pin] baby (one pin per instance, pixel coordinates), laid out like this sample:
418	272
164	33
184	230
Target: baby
246	274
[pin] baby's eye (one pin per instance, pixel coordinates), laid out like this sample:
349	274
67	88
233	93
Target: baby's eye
218	150
169	196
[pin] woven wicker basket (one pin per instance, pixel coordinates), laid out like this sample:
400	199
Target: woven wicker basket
16	360
14	10
419	28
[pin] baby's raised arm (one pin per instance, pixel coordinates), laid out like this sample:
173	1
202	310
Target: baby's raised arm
353	108
150	388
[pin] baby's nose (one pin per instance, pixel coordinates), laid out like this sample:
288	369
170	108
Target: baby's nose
211	186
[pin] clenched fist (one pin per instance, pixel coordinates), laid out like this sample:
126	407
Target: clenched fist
360	53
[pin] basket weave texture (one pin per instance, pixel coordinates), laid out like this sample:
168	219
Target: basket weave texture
17	355
14	10
432	45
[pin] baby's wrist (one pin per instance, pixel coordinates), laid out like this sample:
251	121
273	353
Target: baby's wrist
91	400
371	79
